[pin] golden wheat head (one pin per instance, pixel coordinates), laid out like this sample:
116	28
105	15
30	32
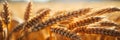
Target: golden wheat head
104	11
97	30
84	22
66	33
27	12
6	13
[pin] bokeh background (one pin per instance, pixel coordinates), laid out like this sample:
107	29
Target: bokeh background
18	6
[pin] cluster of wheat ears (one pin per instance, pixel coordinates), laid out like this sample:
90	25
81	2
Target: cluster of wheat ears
68	25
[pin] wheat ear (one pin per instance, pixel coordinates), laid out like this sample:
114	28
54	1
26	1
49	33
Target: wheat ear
104	11
84	22
66	33
28	11
97	30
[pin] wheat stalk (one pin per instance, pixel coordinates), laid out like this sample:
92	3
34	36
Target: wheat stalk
6	19
27	16
1	30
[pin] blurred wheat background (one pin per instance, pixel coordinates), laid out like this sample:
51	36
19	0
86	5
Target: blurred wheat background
19	7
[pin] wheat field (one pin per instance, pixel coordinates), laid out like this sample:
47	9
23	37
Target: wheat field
60	21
